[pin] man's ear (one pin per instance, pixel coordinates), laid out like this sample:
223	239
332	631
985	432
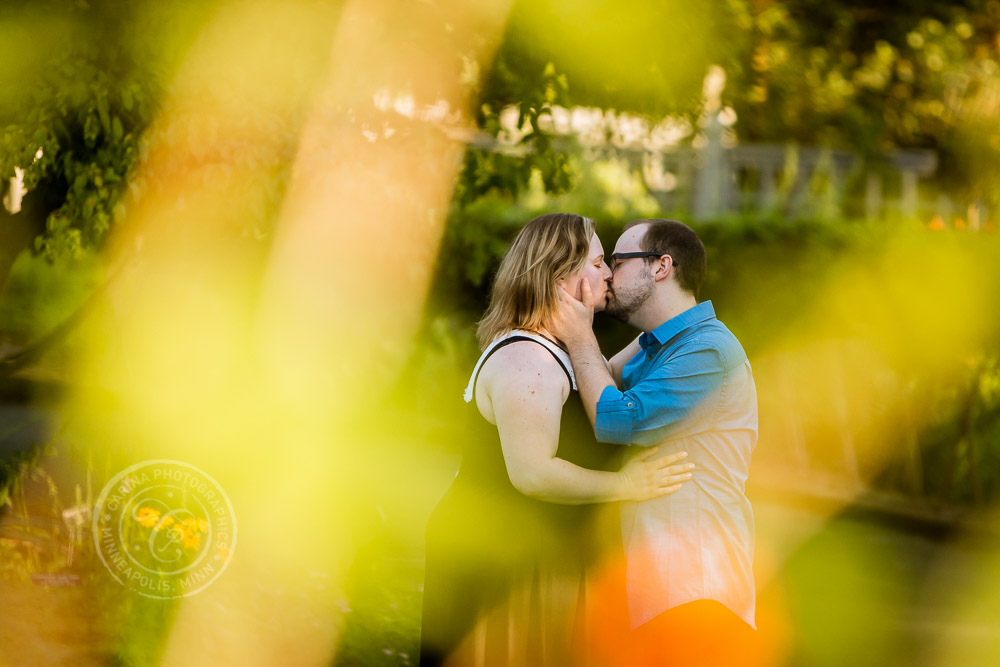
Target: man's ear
664	268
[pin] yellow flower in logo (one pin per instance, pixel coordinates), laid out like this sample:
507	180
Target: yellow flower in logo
192	524
147	516
192	540
189	531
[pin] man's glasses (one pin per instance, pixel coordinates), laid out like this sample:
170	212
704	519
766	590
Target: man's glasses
617	257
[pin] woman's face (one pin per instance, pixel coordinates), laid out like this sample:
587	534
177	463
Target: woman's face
596	272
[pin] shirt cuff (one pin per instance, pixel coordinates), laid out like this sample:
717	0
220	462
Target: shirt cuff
613	422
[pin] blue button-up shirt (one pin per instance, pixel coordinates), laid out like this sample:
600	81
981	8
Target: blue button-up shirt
690	388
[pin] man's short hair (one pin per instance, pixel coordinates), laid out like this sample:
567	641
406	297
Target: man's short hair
674	238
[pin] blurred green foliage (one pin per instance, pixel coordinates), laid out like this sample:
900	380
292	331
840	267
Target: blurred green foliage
874	78
40	294
87	89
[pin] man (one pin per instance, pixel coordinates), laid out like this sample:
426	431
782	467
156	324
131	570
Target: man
684	384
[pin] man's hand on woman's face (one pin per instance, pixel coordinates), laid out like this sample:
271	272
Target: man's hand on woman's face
573	317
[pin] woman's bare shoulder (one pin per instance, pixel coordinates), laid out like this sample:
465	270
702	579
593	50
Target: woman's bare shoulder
524	365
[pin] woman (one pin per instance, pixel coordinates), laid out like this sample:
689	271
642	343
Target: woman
508	544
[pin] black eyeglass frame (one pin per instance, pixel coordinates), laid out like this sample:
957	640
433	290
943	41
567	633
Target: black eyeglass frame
618	256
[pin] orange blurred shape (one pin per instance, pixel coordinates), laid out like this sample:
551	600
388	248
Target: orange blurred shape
937	223
960	224
703	632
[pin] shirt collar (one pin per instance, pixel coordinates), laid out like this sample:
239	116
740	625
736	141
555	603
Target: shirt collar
663	333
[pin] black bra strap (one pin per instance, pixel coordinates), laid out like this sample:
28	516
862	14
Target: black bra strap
515	339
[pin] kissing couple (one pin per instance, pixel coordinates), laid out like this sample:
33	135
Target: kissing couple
599	515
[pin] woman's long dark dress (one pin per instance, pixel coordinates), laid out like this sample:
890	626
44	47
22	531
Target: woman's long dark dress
491	548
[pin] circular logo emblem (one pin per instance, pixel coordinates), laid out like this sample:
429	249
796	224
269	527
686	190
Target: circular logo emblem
164	529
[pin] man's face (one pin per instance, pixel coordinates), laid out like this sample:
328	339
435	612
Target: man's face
632	283
596	272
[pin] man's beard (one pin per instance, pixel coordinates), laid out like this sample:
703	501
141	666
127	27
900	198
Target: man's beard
624	302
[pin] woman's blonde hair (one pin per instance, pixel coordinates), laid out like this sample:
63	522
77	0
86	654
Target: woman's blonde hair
524	295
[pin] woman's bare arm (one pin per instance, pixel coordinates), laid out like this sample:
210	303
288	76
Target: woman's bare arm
526	390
